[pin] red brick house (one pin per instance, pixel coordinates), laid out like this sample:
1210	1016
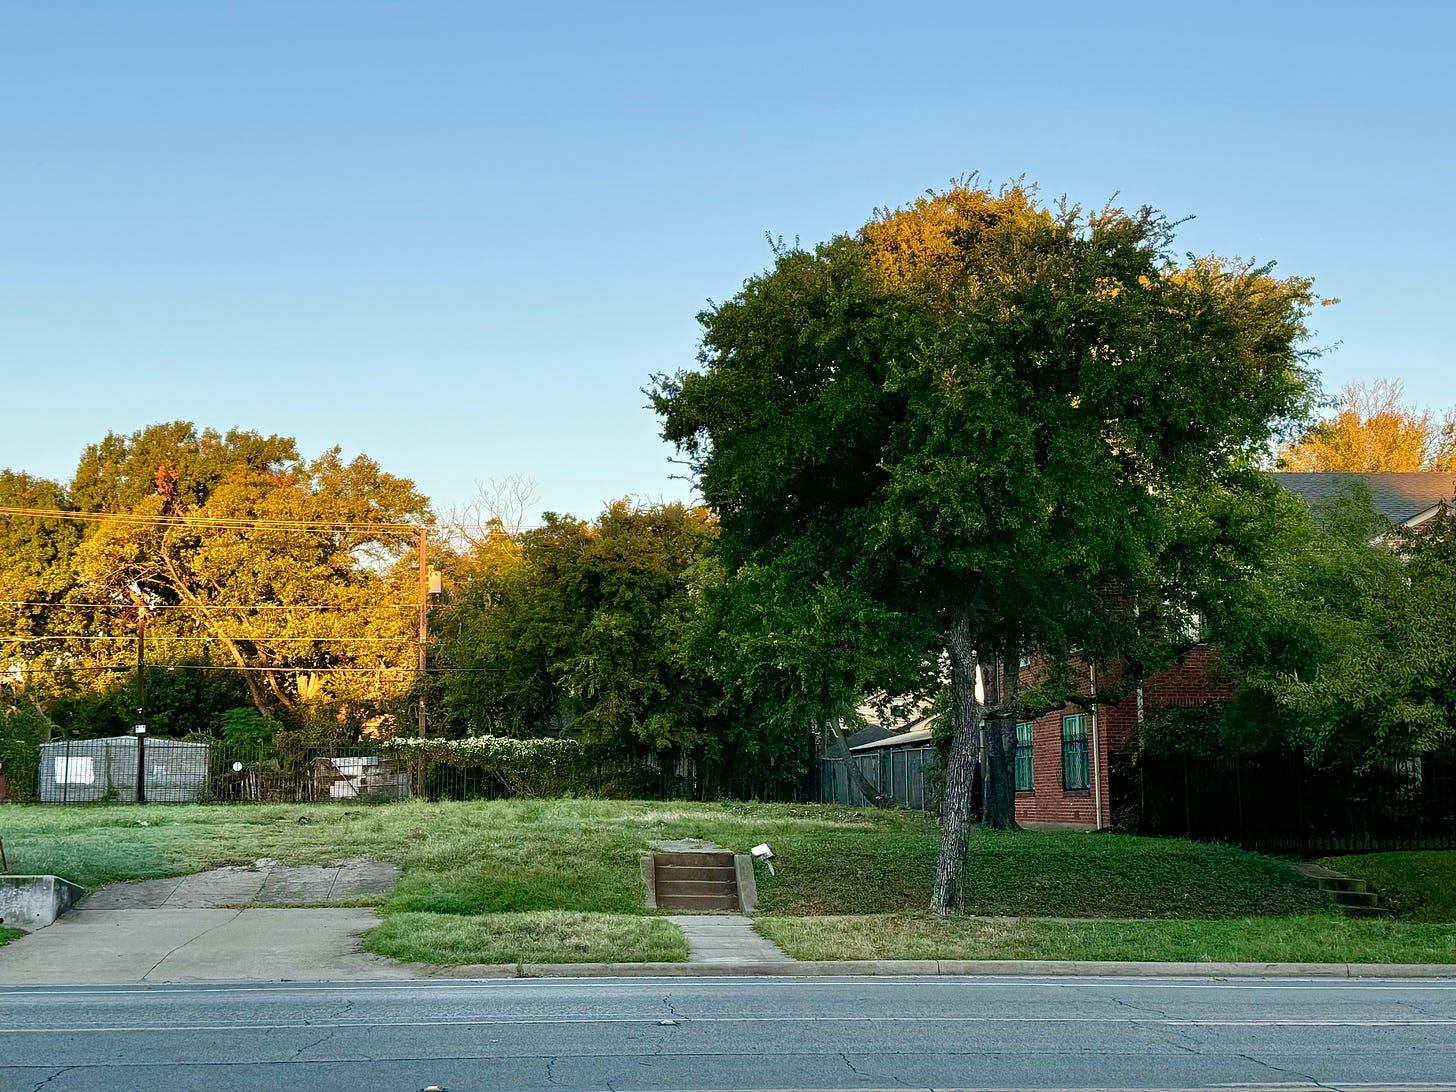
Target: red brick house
1063	758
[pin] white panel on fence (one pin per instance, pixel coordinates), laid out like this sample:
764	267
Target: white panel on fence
77	770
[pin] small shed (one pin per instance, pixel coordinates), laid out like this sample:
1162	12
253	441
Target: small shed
78	771
366	777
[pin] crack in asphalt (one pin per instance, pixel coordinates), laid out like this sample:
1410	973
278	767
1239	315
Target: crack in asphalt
1290	1072
348	1008
860	1073
317	1042
1146	1009
550	1070
1170	1034
53	1076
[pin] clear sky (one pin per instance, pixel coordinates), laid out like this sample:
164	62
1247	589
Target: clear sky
459	237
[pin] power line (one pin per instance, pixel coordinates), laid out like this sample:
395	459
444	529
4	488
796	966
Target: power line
208	521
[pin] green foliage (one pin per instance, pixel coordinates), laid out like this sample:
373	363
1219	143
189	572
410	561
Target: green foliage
1018	427
23	728
583	631
528	767
792	654
1415	886
35	554
287	618
1346	644
245	727
977	400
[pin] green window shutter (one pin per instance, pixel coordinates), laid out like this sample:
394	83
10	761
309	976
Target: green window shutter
1075	766
1025	775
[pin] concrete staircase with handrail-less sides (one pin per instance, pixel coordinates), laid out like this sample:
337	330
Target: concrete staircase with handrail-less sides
699	881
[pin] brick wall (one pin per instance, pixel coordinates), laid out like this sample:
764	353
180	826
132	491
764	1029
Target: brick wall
1194	681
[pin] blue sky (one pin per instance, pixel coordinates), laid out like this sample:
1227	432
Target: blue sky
459	237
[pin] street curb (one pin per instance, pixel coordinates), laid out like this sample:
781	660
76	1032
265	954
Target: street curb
1043	968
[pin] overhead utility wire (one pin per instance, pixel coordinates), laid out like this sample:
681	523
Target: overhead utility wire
208	521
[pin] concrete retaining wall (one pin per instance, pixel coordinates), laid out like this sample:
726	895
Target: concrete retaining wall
33	902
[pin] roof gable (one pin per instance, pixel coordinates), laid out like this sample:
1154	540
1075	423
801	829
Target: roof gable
1400	497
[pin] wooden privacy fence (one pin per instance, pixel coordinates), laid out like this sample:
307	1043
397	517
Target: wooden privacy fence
902	773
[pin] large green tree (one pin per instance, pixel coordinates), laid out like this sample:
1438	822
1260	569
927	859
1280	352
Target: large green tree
581	628
225	552
1034	427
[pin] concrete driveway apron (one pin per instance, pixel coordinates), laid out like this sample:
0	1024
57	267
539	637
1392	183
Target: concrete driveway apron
228	924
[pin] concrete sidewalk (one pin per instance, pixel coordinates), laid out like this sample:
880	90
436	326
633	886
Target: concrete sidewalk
726	938
189	945
264	882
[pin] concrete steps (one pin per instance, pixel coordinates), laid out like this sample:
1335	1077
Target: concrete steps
1351	896
697	881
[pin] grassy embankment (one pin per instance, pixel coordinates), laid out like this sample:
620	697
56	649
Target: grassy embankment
557	881
1417	886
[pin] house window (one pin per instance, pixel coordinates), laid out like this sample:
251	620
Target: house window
1024	775
1074	751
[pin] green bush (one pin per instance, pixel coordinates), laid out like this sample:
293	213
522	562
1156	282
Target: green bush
528	767
22	730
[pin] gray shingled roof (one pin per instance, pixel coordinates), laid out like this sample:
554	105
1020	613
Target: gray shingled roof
1397	497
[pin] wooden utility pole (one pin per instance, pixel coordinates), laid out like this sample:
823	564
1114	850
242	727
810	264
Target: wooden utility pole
141	721
424	625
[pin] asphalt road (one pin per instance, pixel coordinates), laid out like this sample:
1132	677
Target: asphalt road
739	1033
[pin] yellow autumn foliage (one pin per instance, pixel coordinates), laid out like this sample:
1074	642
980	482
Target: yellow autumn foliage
1373	430
924	240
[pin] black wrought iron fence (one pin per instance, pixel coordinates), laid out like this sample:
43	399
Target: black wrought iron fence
1279	802
365	771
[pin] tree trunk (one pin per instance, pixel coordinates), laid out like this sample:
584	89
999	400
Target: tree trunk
948	894
1000	809
851	766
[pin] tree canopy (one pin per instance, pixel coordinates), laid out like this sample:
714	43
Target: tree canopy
227	552
574	626
1343	644
1032	426
1374	429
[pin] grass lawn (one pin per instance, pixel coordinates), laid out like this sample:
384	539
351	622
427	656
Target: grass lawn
516	881
7	935
1323	939
1416	886
545	936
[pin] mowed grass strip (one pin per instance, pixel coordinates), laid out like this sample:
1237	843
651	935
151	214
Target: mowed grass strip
1321	939
548	936
1417	886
